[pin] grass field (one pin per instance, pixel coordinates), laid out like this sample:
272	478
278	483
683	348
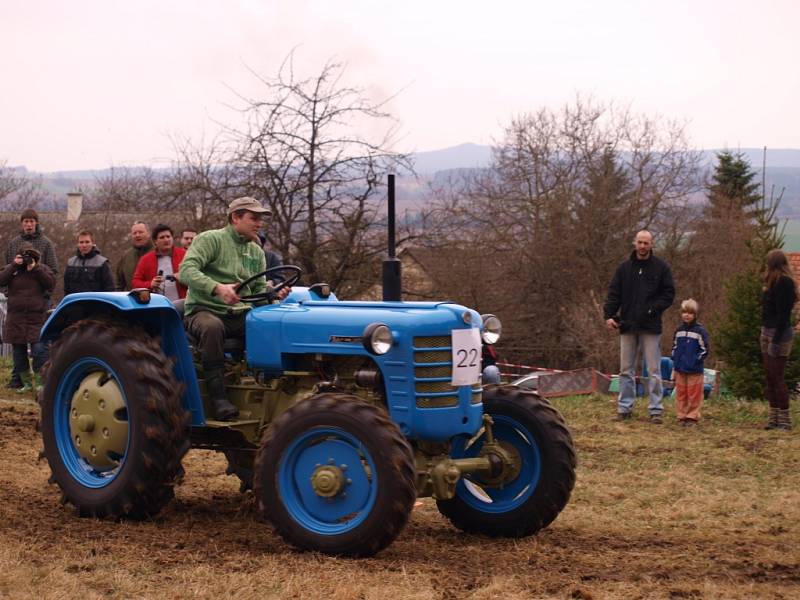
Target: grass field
657	512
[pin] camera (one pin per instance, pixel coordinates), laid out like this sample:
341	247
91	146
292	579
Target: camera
28	258
170	278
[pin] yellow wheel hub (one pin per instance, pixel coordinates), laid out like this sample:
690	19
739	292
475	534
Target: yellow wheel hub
98	421
327	481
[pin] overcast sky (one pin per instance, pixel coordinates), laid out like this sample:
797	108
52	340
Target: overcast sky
91	84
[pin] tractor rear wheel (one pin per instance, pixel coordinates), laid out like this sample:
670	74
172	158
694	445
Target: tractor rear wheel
113	427
529	495
334	474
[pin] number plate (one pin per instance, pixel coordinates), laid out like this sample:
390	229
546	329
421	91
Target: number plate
466	356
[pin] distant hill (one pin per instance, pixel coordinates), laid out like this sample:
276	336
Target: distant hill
463	156
783	173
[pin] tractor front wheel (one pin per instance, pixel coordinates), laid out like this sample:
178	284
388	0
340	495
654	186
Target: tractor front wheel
334	474
532	490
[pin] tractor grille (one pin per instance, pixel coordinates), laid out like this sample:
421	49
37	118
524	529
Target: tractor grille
435	341
432	356
432	386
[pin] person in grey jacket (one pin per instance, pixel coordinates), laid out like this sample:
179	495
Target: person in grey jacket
87	270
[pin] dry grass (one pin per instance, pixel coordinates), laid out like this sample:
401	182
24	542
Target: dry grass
658	512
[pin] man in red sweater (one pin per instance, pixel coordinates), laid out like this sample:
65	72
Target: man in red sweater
158	268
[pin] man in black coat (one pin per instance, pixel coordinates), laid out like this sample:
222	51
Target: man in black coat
640	291
87	270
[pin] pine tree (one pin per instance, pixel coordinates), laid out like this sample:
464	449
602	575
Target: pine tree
733	191
737	337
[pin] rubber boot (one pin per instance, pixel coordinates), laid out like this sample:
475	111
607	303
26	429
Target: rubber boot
15	382
27	383
223	410
772	420
784	419
37	383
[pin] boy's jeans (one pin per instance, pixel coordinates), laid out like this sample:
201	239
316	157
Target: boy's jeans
631	345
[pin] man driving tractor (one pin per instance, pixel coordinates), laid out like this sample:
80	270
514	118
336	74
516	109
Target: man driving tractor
215	265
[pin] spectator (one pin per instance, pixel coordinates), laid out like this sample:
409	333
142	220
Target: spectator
187	237
156	269
31	233
491	373
216	262
640	291
88	270
29	286
140	238
274	259
689	350
777	335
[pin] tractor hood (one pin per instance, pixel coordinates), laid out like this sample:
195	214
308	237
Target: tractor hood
338	327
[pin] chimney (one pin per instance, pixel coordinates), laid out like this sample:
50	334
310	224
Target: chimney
74	206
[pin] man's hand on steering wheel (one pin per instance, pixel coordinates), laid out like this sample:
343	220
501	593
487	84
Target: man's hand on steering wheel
280	291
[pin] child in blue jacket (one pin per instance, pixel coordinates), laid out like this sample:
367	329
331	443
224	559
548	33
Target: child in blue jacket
689	350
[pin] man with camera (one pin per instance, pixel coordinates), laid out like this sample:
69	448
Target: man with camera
30	284
216	262
156	269
31	233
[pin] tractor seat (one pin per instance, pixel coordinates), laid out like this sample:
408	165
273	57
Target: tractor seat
233	346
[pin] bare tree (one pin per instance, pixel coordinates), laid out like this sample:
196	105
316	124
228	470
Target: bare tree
18	190
557	210
202	181
300	149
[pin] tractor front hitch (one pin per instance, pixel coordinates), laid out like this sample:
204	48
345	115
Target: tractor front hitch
496	464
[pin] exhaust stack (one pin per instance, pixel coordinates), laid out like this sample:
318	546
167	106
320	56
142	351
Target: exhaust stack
392	276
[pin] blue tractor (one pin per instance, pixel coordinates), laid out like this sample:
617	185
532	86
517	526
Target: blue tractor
348	411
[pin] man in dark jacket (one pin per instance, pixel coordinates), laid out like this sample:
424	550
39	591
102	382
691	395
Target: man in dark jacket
29	286
140	238
31	233
88	270
640	291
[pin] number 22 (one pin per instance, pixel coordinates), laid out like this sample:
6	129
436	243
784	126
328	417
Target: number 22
472	355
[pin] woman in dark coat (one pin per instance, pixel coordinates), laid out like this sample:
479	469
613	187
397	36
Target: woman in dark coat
29	286
777	334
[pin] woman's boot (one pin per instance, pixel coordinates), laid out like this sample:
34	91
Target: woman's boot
772	420
784	419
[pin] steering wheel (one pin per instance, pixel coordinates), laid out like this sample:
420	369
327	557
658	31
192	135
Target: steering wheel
287	282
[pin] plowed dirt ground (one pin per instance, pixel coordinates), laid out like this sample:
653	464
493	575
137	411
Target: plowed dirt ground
658	512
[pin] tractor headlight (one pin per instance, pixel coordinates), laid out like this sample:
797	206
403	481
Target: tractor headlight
492	328
378	338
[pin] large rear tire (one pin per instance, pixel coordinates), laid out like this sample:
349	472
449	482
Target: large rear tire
112	423
334	474
531	495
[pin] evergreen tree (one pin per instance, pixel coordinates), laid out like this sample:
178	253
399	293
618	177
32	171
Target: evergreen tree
733	191
737	338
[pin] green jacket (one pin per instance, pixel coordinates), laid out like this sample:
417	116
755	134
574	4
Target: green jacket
127	265
220	256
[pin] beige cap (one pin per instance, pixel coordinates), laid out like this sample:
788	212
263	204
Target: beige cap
248	203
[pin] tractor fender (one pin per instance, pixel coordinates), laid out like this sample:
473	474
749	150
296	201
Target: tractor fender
157	317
